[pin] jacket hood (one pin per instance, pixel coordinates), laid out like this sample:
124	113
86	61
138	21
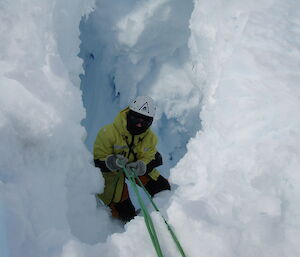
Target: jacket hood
120	123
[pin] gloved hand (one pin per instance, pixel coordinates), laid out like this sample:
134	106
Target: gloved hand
111	161
139	167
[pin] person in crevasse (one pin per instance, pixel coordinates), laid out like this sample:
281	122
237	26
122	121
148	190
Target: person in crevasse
129	139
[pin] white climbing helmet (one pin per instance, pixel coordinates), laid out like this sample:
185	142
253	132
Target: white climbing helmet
144	105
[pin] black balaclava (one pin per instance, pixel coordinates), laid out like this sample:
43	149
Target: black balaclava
133	119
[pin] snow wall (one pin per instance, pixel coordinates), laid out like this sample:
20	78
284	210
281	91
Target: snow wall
237	186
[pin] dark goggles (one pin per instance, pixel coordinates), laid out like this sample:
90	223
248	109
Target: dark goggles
135	118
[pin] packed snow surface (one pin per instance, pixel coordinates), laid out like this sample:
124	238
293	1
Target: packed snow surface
225	76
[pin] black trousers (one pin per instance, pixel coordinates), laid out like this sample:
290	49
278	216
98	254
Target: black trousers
156	186
126	210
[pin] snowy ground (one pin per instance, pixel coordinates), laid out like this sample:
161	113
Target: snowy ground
231	64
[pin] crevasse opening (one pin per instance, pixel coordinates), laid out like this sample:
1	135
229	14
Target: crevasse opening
141	48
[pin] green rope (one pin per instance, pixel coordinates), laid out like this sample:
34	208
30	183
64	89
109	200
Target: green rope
175	239
147	218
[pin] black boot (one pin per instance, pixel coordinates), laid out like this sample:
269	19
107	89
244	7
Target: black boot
126	210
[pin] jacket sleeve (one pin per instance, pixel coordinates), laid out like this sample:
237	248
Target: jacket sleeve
101	165
154	163
103	147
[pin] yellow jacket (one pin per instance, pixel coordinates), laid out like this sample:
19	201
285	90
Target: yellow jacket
115	139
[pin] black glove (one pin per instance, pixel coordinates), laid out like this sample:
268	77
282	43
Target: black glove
139	167
111	161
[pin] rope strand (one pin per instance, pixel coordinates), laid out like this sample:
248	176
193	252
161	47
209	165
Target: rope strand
130	174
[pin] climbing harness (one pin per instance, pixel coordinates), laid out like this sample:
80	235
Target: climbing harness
132	177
